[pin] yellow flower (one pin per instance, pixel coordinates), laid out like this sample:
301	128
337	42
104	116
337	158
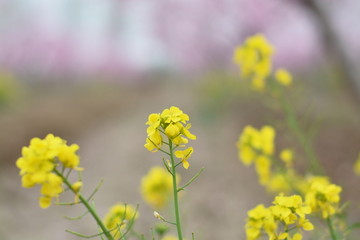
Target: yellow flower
156	187
172	123
323	197
259	219
50	189
287	211
184	155
257	146
263	168
154	141
117	217
38	161
286	156
174	115
173	130
254	142
254	60
67	155
154	120
283	77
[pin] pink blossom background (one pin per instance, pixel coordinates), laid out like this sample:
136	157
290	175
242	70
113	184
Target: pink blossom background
126	37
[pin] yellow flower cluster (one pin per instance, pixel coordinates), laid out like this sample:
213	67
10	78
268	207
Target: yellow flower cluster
277	221
38	161
115	220
173	124
322	196
257	146
254	59
156	187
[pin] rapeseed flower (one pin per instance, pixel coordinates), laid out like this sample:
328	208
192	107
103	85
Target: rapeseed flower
283	77
254	58
286	156
288	213
172	124
117	217
323	197
184	155
257	146
286	181
38	161
156	187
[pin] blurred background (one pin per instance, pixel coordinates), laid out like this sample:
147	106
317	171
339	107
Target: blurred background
91	72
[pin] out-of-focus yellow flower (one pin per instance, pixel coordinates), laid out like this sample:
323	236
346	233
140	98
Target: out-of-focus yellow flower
253	142
287	181
257	146
283	77
286	156
117	217
254	60
263	168
323	197
357	166
156	187
38	161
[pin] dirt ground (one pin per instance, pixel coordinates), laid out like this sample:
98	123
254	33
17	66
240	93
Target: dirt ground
108	124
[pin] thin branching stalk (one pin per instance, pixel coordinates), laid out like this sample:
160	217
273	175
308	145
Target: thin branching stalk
301	137
87	205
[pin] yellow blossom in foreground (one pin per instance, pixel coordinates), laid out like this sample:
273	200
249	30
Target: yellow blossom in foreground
254	58
156	187
38	161
172	125
117	216
283	77
323	197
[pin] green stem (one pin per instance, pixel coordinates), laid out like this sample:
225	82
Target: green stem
300	135
87	205
175	190
331	229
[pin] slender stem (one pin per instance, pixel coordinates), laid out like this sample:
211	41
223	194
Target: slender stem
331	229
87	205
176	201
299	133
